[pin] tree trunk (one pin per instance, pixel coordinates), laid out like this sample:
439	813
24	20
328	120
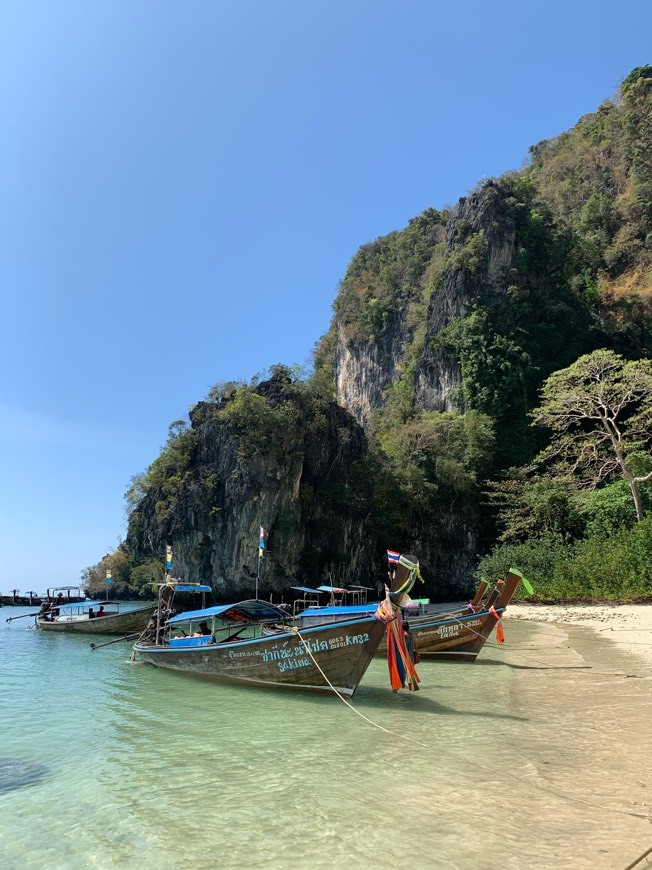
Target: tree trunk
633	485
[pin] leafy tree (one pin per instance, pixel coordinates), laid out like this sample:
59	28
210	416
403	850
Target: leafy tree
610	508
259	423
532	507
600	411
387	275
428	463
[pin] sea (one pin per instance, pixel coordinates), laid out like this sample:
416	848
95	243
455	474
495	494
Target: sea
535	756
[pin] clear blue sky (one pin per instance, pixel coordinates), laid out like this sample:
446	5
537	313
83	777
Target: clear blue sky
182	186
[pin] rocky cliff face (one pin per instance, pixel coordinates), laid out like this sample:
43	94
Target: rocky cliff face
468	310
478	254
304	488
468	262
296	485
364	369
479	217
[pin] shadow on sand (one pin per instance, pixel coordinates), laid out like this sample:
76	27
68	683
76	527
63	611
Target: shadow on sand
372	697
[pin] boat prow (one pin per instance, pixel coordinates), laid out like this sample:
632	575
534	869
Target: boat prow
461	636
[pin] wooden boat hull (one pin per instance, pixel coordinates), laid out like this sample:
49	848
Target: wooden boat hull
343	651
20	601
460	637
119	623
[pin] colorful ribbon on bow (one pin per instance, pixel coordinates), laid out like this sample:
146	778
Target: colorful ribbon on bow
500	634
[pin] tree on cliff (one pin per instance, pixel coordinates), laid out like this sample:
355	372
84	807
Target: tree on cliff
600	410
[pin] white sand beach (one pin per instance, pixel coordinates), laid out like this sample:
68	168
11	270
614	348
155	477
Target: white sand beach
627	625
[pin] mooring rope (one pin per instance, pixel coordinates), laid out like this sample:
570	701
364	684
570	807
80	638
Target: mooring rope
477	763
296	631
639	859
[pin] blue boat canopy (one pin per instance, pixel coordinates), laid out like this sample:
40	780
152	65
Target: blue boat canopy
189	587
306	589
332	589
348	609
243	611
84	605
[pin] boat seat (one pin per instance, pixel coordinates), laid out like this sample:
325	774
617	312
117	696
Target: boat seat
204	640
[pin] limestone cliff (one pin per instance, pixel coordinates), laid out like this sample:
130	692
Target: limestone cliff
467	260
464	310
285	462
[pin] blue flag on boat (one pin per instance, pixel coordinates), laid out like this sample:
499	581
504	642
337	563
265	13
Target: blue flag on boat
108	576
261	542
168	558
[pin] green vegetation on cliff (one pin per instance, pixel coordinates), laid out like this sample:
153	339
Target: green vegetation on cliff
467	331
387	276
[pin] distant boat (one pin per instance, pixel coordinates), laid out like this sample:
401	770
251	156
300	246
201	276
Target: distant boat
95	617
232	648
60	595
29	599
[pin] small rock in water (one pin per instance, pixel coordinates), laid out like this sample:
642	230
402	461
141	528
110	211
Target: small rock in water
16	772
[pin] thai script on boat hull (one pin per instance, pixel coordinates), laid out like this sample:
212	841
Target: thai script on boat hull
449	631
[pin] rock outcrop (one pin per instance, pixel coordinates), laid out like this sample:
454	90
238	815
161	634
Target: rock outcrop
295	482
464	310
478	254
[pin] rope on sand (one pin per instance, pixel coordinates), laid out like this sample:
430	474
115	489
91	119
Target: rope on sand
639	859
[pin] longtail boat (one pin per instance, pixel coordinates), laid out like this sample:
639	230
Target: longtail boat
94	617
402	578
461	636
225	644
458	635
29	599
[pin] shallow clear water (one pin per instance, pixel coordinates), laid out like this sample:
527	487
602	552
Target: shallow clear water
148	768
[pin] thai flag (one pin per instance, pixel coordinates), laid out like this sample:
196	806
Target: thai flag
393	556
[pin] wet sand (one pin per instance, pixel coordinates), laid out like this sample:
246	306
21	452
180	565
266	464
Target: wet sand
629	626
607	728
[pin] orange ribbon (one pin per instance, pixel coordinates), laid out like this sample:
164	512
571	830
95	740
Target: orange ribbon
500	634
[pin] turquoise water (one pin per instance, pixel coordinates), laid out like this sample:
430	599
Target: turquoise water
148	768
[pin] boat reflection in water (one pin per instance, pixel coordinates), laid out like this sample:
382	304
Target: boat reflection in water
234	650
